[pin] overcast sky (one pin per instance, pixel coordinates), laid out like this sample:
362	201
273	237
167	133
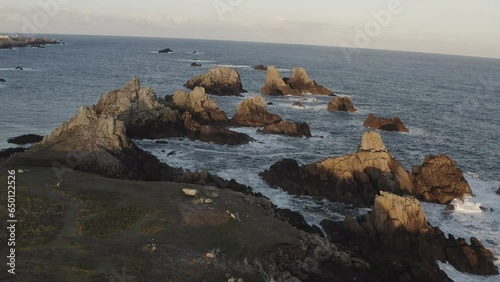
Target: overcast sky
465	27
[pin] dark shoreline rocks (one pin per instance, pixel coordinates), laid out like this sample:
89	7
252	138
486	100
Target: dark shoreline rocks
386	124
341	104
25	139
221	81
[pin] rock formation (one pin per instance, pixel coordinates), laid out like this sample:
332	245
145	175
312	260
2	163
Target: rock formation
341	104
391	124
139	109
2	80
397	228
197	102
260	67
276	86
253	112
94	143
25	139
301	81
294	129
357	178
299	105
439	180
167	50
220	81
498	191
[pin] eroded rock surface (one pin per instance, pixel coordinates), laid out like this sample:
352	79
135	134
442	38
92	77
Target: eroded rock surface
387	124
222	81
253	112
341	104
276	86
301	81
294	129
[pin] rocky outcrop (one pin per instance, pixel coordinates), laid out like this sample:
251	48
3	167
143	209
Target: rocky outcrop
20	41
294	129
198	103
397	229
387	124
165	51
212	133
220	81
341	104
439	180
94	143
301	81
354	179
7	153
140	111
276	86
296	220
260	67
25	139
253	112
298	105
196	65
357	178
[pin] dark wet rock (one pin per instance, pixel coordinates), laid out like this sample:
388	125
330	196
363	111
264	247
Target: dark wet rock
161	142
301	81
398	228
25	139
2	80
387	124
299	105
6	153
19	68
498	191
260	67
294	129
270	103
276	86
253	112
167	50
221	81
296	220
341	104
196	65
439	180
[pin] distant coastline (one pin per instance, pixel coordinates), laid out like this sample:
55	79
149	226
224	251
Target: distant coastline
16	41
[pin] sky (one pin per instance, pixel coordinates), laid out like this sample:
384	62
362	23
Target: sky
461	27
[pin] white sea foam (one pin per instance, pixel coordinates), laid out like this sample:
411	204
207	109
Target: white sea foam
234	66
195	61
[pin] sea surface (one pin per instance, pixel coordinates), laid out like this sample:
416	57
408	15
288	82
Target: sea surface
451	105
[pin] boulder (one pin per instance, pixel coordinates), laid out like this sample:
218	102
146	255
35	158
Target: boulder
197	102
143	115
196	65
166	50
94	143
220	81
387	124
301	81
253	112
398	228
341	104
260	67
294	129
276	86
299	105
439	180
25	139
2	80
213	133
354	179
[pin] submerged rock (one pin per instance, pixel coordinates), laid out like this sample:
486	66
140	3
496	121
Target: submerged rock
221	81
299	105
276	86
19	68
301	81
253	112
25	139
260	67
498	191
2	80
439	180
196	65
387	124
294	129
341	104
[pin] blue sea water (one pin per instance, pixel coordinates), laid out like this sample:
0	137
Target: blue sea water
451	105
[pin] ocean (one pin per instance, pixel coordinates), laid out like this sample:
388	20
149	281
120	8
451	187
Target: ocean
451	105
